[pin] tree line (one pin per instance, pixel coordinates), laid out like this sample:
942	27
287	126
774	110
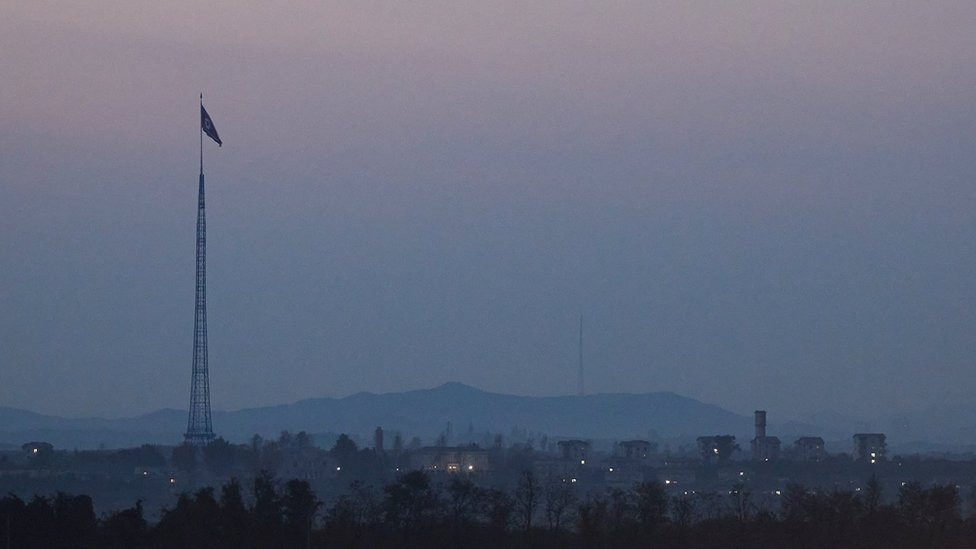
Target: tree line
415	510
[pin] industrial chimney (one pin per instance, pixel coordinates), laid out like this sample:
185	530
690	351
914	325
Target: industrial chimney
378	440
760	424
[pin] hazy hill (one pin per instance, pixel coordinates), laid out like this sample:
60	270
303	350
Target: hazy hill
423	413
427	412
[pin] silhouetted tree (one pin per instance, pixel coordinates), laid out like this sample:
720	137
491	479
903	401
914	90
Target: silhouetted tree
146	455
184	457
266	511
528	494
344	450
11	520
123	529
218	456
741	499
498	509
463	499
792	503
303	440
621	515
872	494
559	501
191	522
299	506
257	442
38	520
75	523
414	513
285	439
651	504
682	511
929	513
234	519
409	503
353	514
592	522
270	456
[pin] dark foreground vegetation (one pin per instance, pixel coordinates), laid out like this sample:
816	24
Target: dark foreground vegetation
415	511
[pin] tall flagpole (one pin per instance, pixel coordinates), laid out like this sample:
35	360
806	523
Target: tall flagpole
201	136
199	429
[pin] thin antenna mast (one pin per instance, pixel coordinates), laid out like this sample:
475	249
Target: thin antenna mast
581	392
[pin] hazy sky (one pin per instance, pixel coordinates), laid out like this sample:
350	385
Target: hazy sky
757	204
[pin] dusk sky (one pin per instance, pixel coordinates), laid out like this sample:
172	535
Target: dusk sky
756	204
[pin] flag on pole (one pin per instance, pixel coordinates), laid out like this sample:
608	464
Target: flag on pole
207	125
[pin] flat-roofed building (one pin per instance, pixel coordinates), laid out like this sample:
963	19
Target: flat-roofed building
574	450
869	447
809	449
716	448
637	450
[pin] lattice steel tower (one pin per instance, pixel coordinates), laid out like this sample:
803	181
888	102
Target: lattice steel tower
199	429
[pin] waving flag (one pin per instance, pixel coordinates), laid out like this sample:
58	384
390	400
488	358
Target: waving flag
207	125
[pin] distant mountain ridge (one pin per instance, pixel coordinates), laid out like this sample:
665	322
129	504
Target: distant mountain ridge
422	412
426	412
